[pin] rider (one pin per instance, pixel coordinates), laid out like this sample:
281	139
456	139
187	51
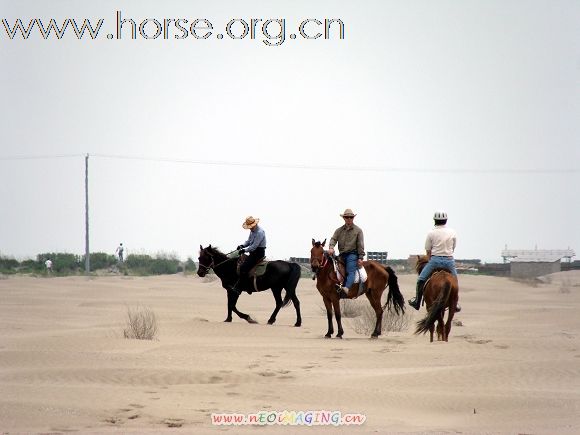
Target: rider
351	245
255	245
440	245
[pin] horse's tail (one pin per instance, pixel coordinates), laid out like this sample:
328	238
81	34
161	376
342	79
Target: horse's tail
290	287
436	309
394	296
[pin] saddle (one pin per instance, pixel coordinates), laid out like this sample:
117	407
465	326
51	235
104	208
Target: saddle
258	270
340	269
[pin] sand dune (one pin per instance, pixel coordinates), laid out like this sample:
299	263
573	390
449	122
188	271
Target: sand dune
512	367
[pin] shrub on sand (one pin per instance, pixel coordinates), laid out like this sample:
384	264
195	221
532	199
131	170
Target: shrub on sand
364	324
141	324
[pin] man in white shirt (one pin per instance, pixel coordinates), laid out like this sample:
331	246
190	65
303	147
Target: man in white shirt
439	245
48	264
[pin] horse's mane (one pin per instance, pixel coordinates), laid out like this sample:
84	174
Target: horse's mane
422	260
214	250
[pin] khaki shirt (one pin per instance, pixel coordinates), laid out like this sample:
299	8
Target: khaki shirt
349	239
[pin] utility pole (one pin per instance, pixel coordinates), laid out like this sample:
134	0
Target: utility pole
87	254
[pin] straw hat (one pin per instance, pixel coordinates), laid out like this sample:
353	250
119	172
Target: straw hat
250	222
348	213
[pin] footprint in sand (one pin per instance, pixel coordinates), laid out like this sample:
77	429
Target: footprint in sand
173	422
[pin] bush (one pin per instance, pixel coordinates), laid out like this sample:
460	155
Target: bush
365	323
8	265
143	264
190	266
141	324
61	262
100	260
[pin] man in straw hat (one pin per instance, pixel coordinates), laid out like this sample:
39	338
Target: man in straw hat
351	245
255	246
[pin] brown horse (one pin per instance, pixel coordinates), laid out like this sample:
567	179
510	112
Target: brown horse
441	291
378	277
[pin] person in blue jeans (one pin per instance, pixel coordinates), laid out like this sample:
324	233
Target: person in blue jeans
440	246
350	240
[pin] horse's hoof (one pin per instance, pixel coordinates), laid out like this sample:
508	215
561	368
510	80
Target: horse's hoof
298	324
375	336
339	336
228	320
328	335
270	322
250	320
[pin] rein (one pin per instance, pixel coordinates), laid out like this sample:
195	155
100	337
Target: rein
325	260
212	265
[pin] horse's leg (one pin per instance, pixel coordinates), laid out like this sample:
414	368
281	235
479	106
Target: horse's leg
432	327
449	320
328	306
374	300
232	300
296	303
277	292
336	306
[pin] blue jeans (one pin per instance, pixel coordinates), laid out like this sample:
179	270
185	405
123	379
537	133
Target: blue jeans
350	260
438	262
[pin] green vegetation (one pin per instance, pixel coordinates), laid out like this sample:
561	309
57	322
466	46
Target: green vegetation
64	264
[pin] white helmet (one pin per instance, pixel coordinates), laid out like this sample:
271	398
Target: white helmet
440	215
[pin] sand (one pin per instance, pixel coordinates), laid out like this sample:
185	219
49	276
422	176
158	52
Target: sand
512	365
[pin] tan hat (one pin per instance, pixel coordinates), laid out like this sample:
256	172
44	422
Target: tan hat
348	213
250	223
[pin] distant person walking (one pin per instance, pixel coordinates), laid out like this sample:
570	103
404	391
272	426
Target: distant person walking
119	252
48	264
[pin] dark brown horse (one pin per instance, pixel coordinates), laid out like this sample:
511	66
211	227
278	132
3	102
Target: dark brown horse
279	275
378	277
441	292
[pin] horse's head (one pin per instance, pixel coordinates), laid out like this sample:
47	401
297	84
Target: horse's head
206	260
422	261
317	255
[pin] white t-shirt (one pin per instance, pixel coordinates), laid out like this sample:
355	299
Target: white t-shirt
48	264
441	241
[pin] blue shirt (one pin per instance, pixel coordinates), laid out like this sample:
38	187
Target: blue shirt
257	239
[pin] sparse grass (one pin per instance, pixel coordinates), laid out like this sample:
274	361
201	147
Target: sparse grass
141	324
350	308
364	324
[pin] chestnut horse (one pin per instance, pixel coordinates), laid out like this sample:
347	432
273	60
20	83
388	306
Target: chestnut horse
378	277
441	291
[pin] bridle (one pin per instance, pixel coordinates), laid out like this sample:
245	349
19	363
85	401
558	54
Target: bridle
321	264
212	265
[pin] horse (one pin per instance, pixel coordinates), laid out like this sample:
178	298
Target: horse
378	278
278	275
440	292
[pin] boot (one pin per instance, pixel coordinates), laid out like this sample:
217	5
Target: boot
342	291
416	302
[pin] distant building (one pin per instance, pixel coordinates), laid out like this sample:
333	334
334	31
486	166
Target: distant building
526	264
378	256
303	261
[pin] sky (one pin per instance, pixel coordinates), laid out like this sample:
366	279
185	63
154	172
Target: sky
471	107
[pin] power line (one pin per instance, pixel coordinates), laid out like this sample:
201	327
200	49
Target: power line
322	167
41	157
